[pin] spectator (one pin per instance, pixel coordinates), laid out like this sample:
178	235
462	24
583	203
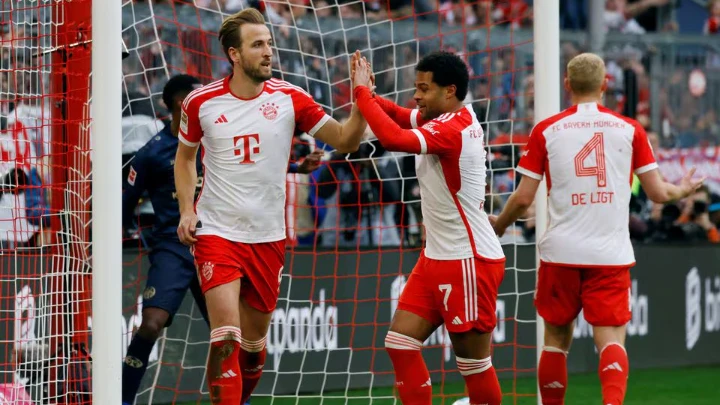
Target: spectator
714	210
573	14
712	25
695	217
618	19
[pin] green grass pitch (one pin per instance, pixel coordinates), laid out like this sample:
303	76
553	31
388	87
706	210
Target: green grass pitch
686	386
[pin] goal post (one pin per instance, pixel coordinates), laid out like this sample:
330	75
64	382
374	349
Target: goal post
546	38
106	141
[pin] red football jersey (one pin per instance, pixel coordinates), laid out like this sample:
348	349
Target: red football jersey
246	148
588	155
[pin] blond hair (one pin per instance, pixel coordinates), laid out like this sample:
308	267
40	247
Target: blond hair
586	73
229	33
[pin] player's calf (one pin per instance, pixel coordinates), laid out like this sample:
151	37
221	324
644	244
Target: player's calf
552	369
481	381
256	309
552	375
223	371
252	360
472	353
412	378
224	375
138	353
613	369
614	366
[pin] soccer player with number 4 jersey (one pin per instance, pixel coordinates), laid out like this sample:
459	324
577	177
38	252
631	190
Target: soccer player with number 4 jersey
588	155
245	124
457	276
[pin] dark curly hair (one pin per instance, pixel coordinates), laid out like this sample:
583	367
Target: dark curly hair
446	68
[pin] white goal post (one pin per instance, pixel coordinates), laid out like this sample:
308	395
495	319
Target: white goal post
546	42
106	136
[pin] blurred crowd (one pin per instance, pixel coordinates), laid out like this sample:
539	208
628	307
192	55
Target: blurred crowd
371	197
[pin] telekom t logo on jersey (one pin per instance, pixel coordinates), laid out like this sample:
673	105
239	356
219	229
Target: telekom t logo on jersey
246	146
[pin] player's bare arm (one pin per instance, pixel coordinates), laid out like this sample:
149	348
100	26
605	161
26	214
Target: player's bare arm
660	191
185	181
345	138
516	206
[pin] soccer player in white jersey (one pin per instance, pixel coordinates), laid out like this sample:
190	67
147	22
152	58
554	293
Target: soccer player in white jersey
457	276
588	155
245	124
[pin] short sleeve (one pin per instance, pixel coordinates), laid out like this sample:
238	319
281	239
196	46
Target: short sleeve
309	115
190	129
437	138
534	158
643	157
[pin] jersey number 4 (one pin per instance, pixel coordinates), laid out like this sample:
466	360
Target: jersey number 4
596	146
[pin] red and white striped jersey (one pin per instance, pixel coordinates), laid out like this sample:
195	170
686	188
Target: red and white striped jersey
588	155
246	147
451	172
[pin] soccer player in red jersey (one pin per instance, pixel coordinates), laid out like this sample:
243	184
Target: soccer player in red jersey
245	123
588	155
457	276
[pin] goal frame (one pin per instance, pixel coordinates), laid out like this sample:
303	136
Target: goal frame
106	136
546	69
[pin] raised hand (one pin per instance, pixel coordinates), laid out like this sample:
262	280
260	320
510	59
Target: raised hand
688	185
362	74
353	64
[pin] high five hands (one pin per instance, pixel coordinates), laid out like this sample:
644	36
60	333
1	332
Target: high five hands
361	72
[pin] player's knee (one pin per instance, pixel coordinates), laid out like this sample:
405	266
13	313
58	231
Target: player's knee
398	341
468	367
153	324
607	335
559	336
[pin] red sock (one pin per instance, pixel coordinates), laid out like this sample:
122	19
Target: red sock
252	360
481	381
614	368
552	376
412	378
223	372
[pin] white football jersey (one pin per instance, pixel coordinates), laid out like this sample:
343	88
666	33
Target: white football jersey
451	172
588	155
246	148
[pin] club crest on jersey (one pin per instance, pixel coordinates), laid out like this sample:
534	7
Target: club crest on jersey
269	111
207	270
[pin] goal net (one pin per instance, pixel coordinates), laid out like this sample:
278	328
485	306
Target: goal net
354	225
45	202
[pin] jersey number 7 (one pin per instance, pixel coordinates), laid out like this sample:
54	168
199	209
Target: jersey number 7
595	145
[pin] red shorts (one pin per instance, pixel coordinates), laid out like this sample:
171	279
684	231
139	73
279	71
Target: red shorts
220	261
461	293
603	294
